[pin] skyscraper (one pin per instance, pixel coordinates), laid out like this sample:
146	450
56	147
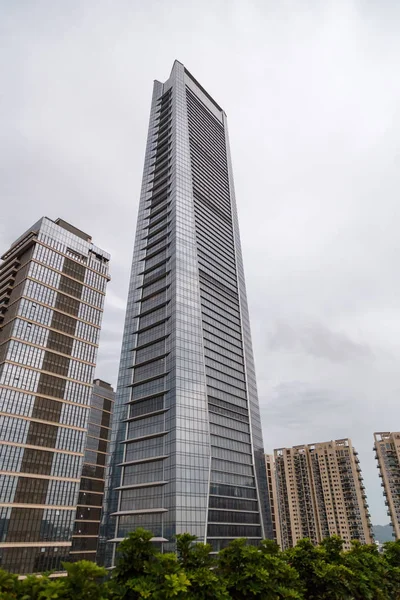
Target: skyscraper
187	443
387	453
91	490
52	287
321	493
273	497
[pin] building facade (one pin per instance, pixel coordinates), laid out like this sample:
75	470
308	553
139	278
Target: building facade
91	490
387	453
321	493
273	497
187	449
52	286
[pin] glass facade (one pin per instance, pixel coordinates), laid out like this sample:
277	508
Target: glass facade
186	440
52	287
88	516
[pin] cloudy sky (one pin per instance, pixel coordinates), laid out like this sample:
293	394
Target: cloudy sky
312	93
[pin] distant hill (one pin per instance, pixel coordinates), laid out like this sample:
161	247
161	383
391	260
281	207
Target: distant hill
383	533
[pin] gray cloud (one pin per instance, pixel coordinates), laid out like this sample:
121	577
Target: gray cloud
294	404
317	340
312	92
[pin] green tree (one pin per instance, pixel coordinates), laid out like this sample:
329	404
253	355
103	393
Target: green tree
8	585
239	572
252	572
192	554
270	547
33	587
391	561
198	562
321	579
333	547
370	573
82	582
162	578
143	572
133	554
391	553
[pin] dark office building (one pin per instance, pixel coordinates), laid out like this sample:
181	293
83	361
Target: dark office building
91	489
187	445
52	287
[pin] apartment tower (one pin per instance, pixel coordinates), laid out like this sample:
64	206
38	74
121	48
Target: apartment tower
321	493
52	285
273	497
188	451
387	453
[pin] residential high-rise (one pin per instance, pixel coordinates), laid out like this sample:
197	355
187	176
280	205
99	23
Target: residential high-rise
273	497
321	493
52	287
187	444
91	490
387	453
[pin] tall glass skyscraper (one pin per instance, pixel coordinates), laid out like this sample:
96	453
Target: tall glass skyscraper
187	449
52	287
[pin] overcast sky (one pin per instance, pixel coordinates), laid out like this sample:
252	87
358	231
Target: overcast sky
312	93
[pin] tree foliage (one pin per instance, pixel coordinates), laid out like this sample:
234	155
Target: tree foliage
239	572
